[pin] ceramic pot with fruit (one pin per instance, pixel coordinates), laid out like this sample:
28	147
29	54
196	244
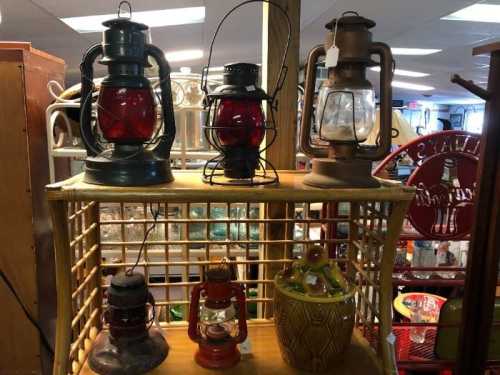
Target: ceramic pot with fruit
314	312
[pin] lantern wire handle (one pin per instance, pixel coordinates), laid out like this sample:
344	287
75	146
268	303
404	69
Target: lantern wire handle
121	5
283	69
338	19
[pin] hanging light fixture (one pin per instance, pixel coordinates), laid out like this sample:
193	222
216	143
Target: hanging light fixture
236	124
126	148
346	106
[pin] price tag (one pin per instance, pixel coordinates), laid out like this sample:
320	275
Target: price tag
246	346
250	88
332	57
311	279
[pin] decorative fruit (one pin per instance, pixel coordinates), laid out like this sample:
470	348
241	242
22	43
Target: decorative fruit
314	275
316	257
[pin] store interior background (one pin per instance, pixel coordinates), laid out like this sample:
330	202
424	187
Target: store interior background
415	24
400	23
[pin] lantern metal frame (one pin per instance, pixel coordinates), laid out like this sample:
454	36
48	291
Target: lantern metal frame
265	173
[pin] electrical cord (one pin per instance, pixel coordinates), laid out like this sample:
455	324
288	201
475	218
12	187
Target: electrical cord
155	215
43	338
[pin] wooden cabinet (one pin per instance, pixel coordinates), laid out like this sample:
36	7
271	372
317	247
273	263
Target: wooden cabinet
26	252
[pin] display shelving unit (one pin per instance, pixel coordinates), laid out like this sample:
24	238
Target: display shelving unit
412	356
80	219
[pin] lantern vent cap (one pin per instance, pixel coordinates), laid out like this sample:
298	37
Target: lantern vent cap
125	23
219	274
350	19
125	280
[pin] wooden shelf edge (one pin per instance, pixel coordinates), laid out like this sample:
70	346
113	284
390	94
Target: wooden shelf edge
360	359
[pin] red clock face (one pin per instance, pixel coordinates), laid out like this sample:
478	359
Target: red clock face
443	205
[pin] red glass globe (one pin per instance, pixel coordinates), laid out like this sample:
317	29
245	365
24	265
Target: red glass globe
240	123
126	115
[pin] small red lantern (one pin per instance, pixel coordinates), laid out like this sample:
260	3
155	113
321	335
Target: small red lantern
213	326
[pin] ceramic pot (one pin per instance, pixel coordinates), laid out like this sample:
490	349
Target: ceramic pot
313	332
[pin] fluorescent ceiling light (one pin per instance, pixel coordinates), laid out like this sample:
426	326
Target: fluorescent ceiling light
185	69
476	13
184	55
414	51
215	77
411	86
152	18
401	72
216	69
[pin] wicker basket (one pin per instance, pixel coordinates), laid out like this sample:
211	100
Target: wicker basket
313	332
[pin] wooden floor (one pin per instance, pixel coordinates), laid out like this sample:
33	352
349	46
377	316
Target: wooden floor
264	360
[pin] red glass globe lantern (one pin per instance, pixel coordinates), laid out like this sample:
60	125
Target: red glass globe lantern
133	150
213	326
236	125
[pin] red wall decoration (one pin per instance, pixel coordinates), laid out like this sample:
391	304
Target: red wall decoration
444	168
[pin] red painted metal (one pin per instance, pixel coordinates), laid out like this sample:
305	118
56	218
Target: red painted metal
444	172
216	353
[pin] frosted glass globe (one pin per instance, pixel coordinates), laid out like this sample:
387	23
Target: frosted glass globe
334	116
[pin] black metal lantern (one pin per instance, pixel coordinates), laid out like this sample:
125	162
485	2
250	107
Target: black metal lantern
126	110
346	106
132	345
236	124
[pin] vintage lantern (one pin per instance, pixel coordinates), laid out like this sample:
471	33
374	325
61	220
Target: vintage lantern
134	151
346	106
132	345
236	124
213	326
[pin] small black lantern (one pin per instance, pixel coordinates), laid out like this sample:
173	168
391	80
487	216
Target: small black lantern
126	110
132	345
236	124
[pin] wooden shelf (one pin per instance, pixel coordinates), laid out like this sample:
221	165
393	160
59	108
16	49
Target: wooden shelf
188	186
265	358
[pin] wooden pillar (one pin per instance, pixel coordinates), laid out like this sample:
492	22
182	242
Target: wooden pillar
274	36
482	262
282	152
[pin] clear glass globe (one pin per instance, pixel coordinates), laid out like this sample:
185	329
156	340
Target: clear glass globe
217	324
334	115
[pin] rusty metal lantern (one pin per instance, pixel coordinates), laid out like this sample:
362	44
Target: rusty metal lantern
132	345
346	108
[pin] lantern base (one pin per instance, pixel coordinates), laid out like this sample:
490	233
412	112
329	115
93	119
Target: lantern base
128	356
240	162
217	356
137	168
341	173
